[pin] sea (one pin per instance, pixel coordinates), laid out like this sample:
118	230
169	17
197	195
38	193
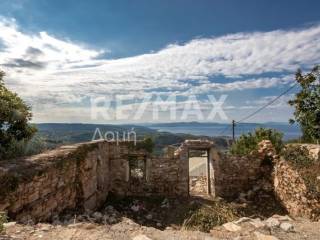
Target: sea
217	129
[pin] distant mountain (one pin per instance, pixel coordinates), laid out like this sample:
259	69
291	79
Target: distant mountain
181	124
56	134
219	129
163	134
66	133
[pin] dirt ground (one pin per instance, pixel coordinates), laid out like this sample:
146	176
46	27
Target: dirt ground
162	218
128	229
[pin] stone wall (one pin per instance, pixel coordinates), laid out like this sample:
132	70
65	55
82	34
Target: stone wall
235	174
183	164
162	178
81	176
228	175
291	189
40	186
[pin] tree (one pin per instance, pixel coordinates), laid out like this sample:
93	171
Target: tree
15	115
307	104
249	142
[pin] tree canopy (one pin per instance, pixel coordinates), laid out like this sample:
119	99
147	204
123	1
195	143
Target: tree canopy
307	104
249	142
15	115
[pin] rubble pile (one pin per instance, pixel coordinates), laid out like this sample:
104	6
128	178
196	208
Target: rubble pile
198	185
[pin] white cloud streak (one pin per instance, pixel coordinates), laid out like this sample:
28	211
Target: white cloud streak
46	70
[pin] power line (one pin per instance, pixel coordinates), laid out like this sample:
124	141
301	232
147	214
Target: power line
266	105
224	130
258	110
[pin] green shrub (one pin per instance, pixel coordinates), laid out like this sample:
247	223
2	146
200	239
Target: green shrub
307	104
205	217
25	147
146	144
15	115
299	158
297	155
3	219
249	142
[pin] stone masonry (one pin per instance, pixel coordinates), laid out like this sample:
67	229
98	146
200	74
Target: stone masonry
291	189
82	176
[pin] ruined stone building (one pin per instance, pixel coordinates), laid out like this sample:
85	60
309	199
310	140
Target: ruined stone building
82	176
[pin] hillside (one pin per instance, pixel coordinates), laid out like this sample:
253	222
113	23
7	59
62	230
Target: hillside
57	134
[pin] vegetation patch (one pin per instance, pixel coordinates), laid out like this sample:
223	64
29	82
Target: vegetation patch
8	183
205	217
298	156
187	213
309	168
146	144
3	220
248	143
15	129
307	105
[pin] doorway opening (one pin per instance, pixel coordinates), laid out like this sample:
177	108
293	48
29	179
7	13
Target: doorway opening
199	179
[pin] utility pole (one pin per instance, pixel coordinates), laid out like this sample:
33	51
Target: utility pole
233	129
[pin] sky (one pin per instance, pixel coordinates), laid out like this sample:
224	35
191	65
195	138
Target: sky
64	57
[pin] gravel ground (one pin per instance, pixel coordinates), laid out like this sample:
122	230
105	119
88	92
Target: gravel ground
128	229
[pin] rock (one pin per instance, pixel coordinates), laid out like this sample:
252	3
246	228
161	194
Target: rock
261	236
109	208
88	212
141	237
81	218
45	227
68	222
285	218
272	222
237	238
27	220
89	226
97	216
165	203
159	224
242	195
149	216
257	223
243	219
56	222
256	188
75	225
250	193
135	208
287	227
231	227
9	224
112	220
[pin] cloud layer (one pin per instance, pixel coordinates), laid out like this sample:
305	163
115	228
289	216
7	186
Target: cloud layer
48	71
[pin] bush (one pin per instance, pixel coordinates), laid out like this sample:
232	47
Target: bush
249	142
3	219
25	147
15	115
205	217
297	155
147	144
307	104
299	158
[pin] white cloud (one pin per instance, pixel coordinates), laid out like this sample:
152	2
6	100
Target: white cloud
256	83
47	70
39	51
282	102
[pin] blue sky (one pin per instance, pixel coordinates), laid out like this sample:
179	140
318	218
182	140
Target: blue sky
58	55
